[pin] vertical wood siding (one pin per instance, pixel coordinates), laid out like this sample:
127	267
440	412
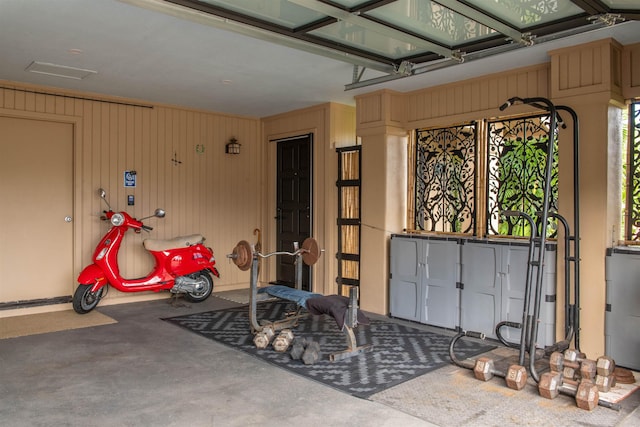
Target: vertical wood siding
466	100
450	103
589	68
209	192
631	71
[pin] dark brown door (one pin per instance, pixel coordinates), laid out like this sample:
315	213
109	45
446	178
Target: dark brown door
293	207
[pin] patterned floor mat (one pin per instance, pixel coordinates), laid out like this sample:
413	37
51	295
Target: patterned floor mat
399	353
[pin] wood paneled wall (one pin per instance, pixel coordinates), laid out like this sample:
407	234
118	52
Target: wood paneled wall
451	103
594	67
204	191
631	71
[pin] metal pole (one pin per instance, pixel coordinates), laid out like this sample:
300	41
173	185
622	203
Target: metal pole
536	101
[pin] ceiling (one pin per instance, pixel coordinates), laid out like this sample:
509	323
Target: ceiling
263	57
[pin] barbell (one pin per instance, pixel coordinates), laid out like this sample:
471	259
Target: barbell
242	254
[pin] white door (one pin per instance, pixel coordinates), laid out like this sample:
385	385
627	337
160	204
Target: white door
36	194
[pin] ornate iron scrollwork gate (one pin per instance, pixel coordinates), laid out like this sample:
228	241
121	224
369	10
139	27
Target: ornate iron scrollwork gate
517	154
445	179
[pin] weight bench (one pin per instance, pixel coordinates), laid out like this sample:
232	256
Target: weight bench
344	310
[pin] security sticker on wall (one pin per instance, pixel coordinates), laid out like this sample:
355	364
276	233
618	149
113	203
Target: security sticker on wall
129	179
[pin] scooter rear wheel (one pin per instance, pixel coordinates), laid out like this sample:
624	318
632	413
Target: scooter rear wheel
84	300
203	277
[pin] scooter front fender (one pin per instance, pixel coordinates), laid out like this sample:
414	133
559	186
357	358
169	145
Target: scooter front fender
92	275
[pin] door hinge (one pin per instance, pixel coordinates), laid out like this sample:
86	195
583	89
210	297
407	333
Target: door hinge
459	285
607	307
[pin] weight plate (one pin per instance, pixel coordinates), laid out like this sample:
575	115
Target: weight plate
312	252
242	255
624	376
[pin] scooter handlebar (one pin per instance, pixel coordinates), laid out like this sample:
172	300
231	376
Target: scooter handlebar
146	228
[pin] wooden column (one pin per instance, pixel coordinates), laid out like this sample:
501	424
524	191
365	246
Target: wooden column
384	183
587	78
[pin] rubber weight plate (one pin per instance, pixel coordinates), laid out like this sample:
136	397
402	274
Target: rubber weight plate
242	255
312	252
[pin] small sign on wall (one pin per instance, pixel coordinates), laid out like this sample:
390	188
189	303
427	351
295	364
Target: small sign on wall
129	179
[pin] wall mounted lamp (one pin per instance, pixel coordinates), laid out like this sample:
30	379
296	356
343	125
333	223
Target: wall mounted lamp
232	147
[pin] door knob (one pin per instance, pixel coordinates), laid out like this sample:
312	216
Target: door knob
68	218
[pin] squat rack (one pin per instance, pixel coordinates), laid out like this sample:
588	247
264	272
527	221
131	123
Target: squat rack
572	311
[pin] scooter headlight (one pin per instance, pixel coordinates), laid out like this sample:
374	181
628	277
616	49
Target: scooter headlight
117	219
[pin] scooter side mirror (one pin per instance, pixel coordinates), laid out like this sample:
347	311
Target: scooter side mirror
159	213
103	196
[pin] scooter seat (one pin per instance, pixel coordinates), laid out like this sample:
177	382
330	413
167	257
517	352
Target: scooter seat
177	242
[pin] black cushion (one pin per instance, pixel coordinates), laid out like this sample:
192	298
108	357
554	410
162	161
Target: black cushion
335	306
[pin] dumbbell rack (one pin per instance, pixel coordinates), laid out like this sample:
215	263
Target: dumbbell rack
585	392
572	311
529	333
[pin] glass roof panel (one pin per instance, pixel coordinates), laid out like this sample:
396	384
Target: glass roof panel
417	31
353	35
432	21
280	12
528	13
622	4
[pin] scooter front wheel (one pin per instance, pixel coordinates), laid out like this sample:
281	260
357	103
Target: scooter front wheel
205	283
84	300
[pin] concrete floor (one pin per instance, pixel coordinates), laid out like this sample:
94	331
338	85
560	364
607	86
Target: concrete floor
142	371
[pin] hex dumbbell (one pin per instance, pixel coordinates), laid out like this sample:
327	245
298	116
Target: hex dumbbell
283	340
605	383
311	353
604	378
515	377
297	349
556	361
587	395
585	392
263	338
571	365
549	384
588	367
605	366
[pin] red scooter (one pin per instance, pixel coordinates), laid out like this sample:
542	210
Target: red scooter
183	264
